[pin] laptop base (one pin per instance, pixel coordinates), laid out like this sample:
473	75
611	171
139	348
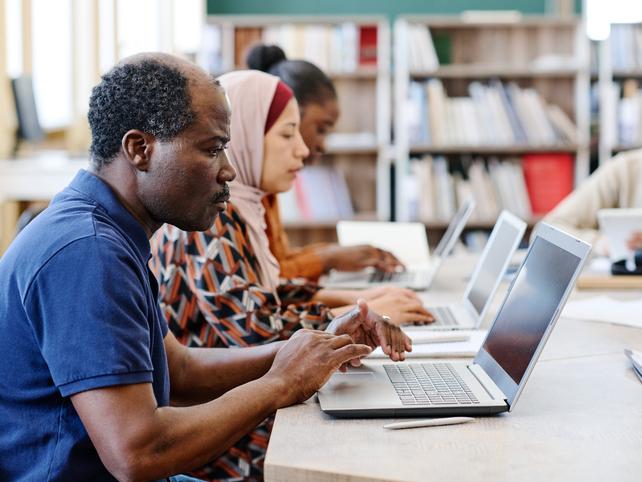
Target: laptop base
405	412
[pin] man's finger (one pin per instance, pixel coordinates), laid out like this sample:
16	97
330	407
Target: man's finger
362	308
338	341
408	342
347	353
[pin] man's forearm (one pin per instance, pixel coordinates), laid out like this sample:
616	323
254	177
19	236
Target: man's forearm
221	423
137	440
204	374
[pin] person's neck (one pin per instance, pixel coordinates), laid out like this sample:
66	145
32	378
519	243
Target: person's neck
120	177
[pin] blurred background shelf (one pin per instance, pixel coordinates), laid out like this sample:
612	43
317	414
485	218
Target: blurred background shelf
490	150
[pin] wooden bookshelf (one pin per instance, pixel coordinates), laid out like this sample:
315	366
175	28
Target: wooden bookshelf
489	150
545	55
347	150
364	97
359	74
482	71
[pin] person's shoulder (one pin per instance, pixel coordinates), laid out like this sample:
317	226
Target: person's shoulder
51	231
626	161
61	233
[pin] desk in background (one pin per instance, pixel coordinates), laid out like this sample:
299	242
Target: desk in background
579	419
31	179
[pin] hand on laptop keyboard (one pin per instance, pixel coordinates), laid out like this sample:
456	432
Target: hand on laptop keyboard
402	306
356	258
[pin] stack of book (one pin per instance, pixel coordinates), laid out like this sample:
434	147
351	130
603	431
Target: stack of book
345	47
320	193
529	186
495	114
341	48
422	56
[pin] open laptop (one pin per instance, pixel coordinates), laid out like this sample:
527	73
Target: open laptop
493	382
407	241
489	270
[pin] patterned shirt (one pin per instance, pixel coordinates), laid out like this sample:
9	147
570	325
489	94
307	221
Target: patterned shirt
210	297
209	292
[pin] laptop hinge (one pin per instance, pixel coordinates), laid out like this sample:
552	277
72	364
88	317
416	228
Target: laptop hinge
489	385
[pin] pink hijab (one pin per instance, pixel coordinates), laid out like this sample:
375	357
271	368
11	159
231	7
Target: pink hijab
250	93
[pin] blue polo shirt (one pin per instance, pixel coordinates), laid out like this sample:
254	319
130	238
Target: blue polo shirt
78	311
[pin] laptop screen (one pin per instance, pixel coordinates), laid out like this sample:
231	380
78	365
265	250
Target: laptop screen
455	227
530	306
492	265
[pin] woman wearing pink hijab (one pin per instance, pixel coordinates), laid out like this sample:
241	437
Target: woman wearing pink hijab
221	288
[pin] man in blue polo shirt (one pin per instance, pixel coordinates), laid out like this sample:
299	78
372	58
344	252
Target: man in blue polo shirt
87	359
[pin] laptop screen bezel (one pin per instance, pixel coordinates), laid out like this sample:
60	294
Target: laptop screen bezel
450	237
493	369
520	226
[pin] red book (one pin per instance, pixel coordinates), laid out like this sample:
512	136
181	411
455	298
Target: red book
549	179
368	45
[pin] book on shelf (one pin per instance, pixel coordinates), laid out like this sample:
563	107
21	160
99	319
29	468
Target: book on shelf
422	55
628	123
549	179
368	45
494	114
320	193
244	39
626	47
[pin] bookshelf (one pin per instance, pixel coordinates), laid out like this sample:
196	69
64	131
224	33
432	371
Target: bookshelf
618	90
462	68
359	149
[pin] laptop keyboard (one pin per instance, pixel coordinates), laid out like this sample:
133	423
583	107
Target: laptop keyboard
443	316
395	276
429	384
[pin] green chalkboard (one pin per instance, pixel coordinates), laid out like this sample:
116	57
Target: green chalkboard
391	8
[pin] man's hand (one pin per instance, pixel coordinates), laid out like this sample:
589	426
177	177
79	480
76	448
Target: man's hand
635	241
304	364
365	326
355	258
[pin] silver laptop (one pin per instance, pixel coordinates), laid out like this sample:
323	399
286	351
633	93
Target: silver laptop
489	270
421	272
493	382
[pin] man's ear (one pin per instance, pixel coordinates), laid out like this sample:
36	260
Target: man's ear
138	147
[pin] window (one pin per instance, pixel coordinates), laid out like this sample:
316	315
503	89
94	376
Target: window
52	67
13	26
600	14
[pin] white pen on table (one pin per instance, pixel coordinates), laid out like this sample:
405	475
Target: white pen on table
428	422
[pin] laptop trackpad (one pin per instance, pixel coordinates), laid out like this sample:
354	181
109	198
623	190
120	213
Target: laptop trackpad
362	387
346	381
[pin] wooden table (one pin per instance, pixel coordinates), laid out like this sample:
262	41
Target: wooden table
579	419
